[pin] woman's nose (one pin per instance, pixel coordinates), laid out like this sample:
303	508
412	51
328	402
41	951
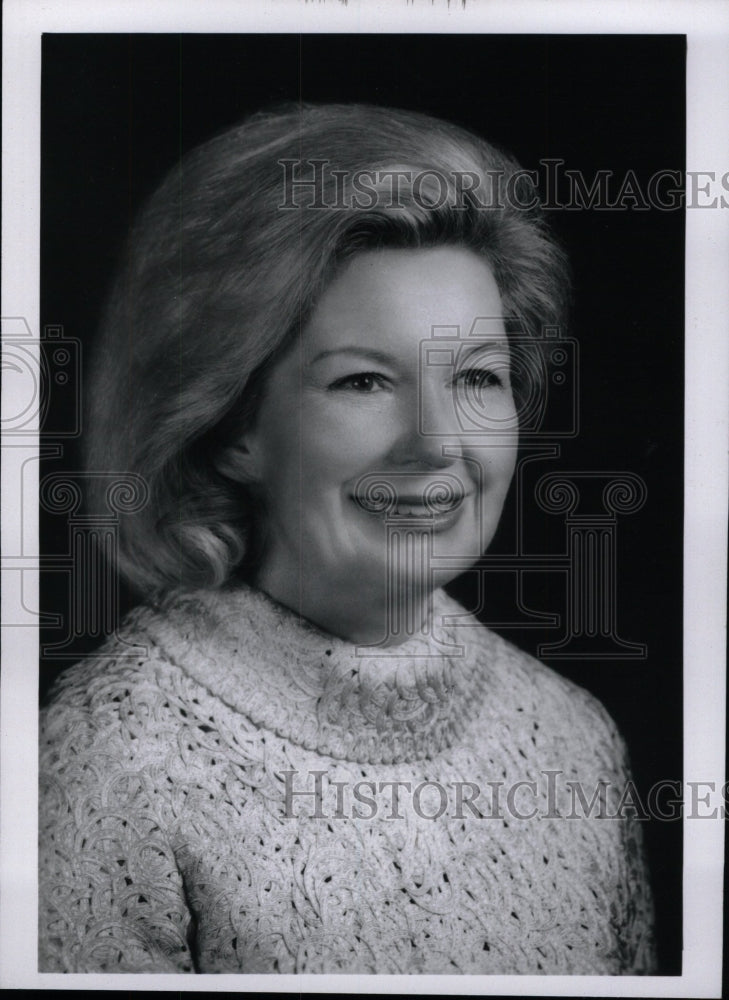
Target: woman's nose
429	432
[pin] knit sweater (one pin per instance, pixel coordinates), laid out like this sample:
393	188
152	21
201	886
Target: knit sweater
175	838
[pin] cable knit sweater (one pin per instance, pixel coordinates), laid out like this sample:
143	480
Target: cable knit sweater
174	837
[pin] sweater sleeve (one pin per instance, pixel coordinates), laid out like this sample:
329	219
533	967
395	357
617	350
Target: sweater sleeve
636	912
111	896
632	909
640	956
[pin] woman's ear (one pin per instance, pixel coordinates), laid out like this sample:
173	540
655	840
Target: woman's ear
239	462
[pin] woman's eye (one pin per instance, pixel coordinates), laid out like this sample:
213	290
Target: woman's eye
481	378
361	382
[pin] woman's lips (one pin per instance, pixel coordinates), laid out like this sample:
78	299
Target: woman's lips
434	502
438	514
417	506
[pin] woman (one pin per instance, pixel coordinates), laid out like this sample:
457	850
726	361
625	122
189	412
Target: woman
323	763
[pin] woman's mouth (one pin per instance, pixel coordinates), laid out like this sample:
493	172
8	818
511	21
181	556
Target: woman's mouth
417	507
437	504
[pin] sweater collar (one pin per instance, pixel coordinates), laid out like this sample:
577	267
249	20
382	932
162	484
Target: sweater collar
321	692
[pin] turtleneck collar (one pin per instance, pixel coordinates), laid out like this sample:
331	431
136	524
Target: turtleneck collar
323	693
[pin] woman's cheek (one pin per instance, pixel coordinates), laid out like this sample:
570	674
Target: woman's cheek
344	439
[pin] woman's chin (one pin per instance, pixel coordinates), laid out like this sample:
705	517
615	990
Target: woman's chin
413	560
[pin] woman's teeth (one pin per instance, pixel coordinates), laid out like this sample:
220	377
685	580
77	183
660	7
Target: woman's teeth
413	508
387	495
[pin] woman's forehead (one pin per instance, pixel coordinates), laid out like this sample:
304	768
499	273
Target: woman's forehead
392	295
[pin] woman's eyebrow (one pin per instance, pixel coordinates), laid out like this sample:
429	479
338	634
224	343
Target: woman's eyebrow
502	344
364	352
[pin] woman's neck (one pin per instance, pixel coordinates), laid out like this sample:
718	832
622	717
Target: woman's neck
366	616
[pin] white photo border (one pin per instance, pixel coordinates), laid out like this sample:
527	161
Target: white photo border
706	25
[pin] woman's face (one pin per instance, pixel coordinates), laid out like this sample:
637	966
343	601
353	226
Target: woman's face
390	391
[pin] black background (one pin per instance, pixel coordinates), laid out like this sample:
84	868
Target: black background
117	112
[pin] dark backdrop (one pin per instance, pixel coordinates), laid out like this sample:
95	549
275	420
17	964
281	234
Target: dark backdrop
117	112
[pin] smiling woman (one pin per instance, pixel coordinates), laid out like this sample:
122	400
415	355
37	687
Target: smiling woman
326	407
334	413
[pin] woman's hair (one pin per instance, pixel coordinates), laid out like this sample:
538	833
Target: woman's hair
221	272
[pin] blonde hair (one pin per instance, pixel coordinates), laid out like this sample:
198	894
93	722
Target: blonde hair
220	273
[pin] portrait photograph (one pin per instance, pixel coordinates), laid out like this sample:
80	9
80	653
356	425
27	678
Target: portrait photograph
360	552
